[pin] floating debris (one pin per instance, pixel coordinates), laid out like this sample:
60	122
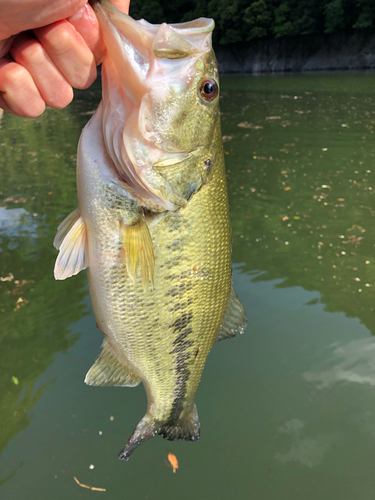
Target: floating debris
10	277
173	461
354	240
248	125
92	488
15	200
20	302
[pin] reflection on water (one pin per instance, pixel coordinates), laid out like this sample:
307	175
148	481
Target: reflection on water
302	183
353	362
304	449
37	189
287	410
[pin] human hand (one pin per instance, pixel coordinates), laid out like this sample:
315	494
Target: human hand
41	67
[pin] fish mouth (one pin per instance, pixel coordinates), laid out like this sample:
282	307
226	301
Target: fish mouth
133	80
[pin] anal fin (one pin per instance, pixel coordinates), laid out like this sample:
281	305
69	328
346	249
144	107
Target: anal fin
71	241
234	320
108	370
138	250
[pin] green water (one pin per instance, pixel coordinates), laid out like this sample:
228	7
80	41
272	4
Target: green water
287	410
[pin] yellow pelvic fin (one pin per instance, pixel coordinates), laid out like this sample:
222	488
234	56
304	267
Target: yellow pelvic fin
234	320
108	370
71	241
139	252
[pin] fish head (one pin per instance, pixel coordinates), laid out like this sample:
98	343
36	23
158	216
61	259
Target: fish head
160	105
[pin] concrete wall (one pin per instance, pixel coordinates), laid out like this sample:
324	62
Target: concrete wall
340	51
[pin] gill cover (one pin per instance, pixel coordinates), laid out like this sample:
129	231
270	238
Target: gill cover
150	72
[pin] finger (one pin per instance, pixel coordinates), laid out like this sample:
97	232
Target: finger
86	24
52	86
17	16
19	91
5	46
5	107
69	53
122	5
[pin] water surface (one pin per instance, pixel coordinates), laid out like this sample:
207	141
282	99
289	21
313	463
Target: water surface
288	409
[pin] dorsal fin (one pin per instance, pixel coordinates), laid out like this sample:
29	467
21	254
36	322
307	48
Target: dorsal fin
108	370
71	241
234	320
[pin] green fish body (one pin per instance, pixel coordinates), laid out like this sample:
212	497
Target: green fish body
153	225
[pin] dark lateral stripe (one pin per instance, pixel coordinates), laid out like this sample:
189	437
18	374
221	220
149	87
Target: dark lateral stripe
181	345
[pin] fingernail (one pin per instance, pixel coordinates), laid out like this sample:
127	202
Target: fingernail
77	16
85	12
5	46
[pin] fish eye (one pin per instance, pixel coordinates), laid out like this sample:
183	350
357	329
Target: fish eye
209	89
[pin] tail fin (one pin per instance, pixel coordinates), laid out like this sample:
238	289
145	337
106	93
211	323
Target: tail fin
185	428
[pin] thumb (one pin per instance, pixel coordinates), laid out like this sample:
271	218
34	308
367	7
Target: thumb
122	5
86	24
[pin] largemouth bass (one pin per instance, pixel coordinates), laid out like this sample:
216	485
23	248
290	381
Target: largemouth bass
152	227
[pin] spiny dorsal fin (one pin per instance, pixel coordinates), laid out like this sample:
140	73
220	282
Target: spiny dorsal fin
71	241
139	252
108	370
235	319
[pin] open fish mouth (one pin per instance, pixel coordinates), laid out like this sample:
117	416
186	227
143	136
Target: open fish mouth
148	64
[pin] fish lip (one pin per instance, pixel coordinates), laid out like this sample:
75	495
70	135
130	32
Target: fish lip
163	40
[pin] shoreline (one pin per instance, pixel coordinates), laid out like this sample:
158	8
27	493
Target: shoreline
344	51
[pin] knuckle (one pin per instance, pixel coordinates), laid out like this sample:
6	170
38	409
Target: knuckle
35	109
28	52
59	37
85	78
12	74
62	97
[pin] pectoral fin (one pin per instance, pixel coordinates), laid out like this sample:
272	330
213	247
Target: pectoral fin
234	320
71	241
108	370
138	250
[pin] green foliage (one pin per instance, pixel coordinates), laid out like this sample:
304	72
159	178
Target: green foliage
246	20
367	14
334	12
283	26
258	17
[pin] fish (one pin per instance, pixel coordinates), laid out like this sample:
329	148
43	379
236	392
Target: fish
152	225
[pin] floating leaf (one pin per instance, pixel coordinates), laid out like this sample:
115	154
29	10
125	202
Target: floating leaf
173	461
